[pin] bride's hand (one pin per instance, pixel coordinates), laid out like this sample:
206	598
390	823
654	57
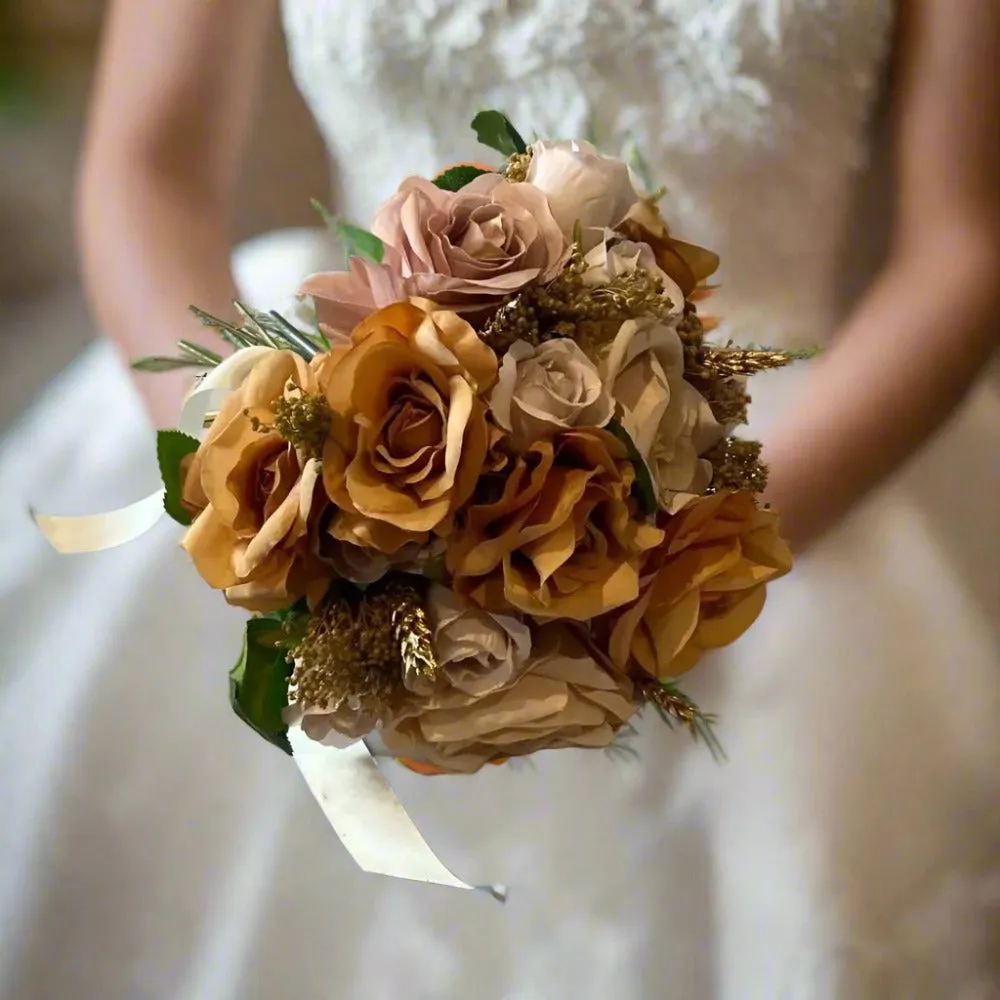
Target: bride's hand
175	87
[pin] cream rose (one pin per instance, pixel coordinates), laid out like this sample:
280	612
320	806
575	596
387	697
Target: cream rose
609	260
477	652
339	726
582	186
670	422
546	389
562	698
687	264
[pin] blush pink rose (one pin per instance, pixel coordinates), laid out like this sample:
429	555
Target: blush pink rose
464	250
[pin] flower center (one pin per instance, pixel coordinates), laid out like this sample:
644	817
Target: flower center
303	420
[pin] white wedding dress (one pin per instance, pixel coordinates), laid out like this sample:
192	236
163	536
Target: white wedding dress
152	847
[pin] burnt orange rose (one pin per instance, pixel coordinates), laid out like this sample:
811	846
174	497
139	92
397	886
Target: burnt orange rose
703	586
255	495
561	538
409	434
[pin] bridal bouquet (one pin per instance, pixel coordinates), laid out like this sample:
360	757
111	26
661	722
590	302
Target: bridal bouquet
489	502
486	500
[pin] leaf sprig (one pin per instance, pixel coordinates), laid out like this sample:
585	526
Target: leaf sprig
357	242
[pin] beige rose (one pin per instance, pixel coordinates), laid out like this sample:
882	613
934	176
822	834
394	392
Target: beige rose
686	264
477	652
563	698
610	259
546	389
256	495
702	587
670	422
582	186
338	725
409	434
344	541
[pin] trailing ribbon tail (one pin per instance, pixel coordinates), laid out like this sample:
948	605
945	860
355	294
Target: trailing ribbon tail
365	814
96	532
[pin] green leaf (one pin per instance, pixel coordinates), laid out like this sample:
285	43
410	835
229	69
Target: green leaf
640	167
455	178
357	242
493	129
160	364
227	331
197	352
172	447
258	684
642	488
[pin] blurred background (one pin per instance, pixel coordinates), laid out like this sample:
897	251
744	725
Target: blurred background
48	51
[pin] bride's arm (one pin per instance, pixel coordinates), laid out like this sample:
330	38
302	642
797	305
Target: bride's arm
916	342
172	101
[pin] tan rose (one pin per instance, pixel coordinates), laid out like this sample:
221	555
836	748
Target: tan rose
546	389
609	260
702	587
467	249
559	536
409	433
582	186
670	422
338	725
563	698
686	264
256	495
344	541
477	652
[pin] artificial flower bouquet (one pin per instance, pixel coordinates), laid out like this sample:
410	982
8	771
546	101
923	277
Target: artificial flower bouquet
489	502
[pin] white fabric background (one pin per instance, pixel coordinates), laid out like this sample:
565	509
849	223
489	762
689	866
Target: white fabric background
152	847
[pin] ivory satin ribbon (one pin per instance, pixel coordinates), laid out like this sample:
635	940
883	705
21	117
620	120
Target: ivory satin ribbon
347	783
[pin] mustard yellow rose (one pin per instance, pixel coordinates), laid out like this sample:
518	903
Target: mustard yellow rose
255	495
703	586
560	537
409	434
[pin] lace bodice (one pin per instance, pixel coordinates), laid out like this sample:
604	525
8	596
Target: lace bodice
752	113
